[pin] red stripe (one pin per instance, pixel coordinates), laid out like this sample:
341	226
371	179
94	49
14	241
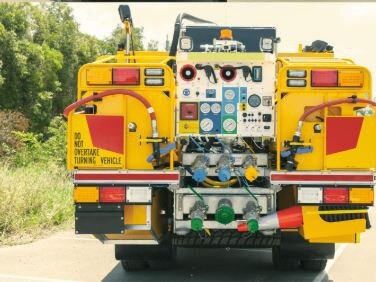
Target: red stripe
130	177
312	177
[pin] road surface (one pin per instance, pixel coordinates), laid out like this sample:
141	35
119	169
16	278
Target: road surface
66	257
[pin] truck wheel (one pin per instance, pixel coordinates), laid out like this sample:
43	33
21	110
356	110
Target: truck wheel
138	257
282	262
166	259
133	265
314	265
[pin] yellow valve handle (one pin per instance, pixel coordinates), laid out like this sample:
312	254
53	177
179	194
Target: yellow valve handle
251	173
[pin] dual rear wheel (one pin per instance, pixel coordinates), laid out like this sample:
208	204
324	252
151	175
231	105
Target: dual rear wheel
140	257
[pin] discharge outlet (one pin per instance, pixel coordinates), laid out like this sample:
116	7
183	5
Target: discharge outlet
224	167
200	168
224	213
197	215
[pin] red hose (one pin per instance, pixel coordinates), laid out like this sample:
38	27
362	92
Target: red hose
110	93
335	102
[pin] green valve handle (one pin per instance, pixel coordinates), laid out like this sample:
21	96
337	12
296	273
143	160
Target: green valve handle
224	213
196	224
252	225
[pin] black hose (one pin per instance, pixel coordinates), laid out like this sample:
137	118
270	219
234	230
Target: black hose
178	22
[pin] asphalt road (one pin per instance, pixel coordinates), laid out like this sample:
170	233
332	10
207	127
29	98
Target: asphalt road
66	257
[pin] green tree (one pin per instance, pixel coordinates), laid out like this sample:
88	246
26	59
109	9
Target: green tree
118	37
152	45
41	51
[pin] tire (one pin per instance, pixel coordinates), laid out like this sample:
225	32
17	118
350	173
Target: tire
314	265
164	262
282	262
139	257
133	265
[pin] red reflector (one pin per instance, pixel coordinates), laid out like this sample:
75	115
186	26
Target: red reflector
324	78
126	76
112	194
336	195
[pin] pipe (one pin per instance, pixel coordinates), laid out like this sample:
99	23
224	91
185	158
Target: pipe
130	93
219	183
352	100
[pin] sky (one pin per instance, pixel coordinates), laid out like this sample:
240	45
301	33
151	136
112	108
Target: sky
349	27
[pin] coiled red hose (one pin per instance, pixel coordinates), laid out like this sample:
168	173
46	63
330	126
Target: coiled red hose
111	92
336	102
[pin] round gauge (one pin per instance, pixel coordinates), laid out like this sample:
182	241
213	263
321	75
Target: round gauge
229	94
206	124
229	108
254	100
216	108
205	108
229	124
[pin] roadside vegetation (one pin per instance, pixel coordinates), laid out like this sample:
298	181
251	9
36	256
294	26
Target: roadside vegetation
41	50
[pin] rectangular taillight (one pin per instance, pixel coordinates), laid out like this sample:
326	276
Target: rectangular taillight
309	195
112	195
350	78
99	76
324	78
86	194
336	195
296	73
362	195
296	83
154	81
126	76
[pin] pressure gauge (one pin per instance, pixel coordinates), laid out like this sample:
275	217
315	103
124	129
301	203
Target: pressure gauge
254	100
229	124
205	108
206	124
229	108
216	108
229	94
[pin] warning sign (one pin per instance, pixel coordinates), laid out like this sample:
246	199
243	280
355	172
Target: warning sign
84	154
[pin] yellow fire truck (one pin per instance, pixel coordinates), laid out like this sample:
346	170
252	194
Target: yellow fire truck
222	143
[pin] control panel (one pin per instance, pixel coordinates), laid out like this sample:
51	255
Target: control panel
225	94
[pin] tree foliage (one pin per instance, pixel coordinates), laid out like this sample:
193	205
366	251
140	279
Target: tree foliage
41	50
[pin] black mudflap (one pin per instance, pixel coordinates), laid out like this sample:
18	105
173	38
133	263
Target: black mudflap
99	219
226	239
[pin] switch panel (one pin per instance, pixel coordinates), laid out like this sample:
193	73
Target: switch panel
227	94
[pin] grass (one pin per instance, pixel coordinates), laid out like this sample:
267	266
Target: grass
33	200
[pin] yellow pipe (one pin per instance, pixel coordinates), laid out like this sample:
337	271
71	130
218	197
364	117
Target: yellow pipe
218	184
207	185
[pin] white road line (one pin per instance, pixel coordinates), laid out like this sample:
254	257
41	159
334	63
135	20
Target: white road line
31	278
338	253
74	238
320	277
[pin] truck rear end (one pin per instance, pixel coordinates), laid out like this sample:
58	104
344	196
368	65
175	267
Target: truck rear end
222	143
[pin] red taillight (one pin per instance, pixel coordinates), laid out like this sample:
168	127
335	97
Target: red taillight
323	78
336	195
112	195
126	76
